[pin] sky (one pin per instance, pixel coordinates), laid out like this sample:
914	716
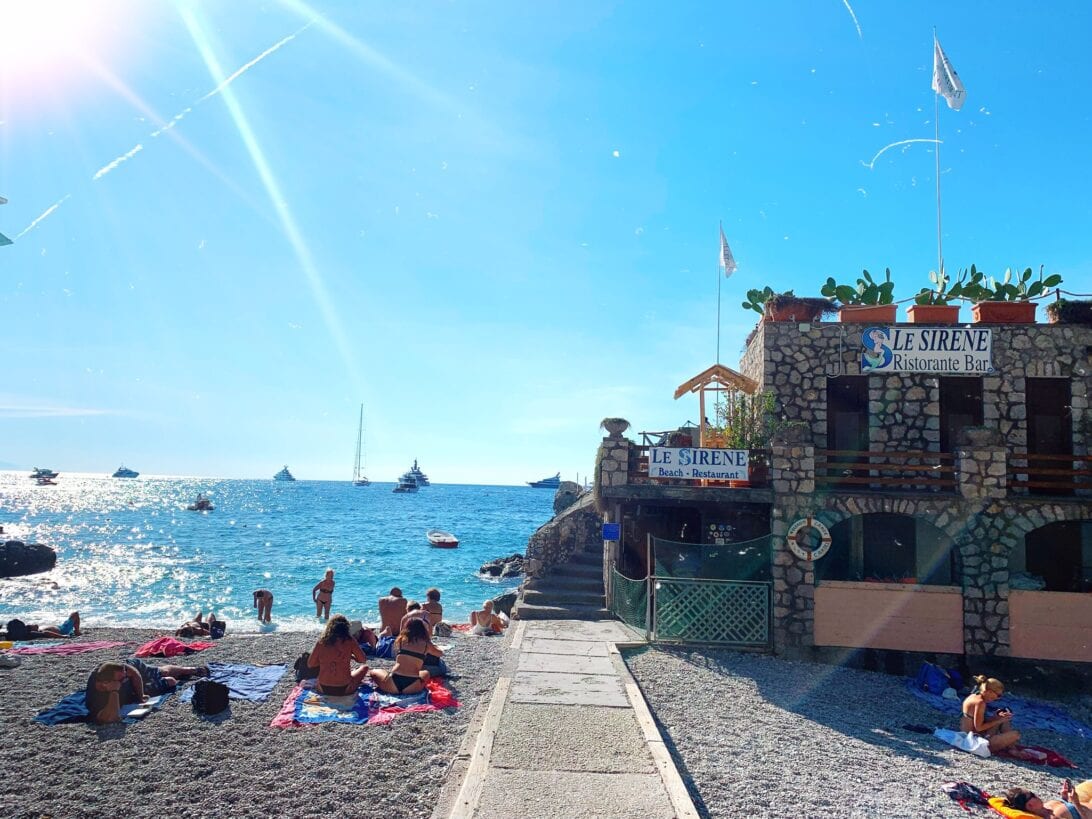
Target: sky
493	224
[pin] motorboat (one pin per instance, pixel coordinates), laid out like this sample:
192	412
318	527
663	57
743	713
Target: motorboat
406	483
40	472
202	504
359	478
284	475
422	478
45	480
441	540
125	472
547	483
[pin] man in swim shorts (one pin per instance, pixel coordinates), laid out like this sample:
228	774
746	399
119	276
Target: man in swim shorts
392	609
111	686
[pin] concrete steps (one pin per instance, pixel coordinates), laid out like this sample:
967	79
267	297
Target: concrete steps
572	591
578	597
533	612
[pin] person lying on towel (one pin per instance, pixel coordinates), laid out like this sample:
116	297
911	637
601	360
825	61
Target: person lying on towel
17	630
1068	807
112	686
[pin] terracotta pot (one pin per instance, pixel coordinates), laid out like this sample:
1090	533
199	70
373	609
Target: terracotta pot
868	313
792	311
1004	312
933	313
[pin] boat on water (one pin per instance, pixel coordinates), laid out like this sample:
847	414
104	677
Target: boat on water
440	539
45	480
284	475
421	477
406	483
359	478
547	483
201	504
125	472
41	472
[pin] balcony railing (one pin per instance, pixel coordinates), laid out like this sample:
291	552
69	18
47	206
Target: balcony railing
1049	474
759	473
915	471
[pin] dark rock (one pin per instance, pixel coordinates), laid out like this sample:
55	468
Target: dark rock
566	496
503	603
18	558
502	567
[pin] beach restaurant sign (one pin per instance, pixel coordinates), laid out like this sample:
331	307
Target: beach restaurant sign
926	350
694	463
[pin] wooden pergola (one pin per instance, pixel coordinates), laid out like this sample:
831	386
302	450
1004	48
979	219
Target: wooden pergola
717	378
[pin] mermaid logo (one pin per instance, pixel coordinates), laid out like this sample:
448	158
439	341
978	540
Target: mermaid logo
877	354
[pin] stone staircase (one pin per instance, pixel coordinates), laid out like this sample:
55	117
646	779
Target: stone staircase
571	591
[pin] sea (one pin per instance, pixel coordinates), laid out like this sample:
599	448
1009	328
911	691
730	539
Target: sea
130	554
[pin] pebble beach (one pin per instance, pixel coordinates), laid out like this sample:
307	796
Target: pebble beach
177	763
760	736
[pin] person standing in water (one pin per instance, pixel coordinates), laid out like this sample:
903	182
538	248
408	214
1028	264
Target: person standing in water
323	595
263	602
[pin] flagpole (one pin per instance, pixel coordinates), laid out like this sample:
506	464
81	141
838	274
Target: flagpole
936	126
718	307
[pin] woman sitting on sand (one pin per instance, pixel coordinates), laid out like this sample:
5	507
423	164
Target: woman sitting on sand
998	730
407	675
333	655
484	622
1068	807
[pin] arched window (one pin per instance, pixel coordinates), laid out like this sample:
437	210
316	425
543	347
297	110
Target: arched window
889	548
1055	557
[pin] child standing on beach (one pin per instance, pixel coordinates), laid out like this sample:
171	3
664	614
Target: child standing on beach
323	595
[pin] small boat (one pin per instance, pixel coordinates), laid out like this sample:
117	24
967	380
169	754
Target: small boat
441	539
124	472
202	504
284	475
547	483
359	478
406	483
44	480
39	472
421	477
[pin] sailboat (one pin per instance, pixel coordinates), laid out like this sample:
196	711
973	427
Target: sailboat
359	478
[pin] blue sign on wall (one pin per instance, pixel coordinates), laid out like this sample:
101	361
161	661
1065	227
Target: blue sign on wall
612	531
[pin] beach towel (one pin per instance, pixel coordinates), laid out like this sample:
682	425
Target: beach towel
73	708
1036	755
170	647
998	804
67	648
245	682
1027	713
464	627
368	706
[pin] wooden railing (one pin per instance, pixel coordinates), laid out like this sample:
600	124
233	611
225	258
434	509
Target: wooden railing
759	473
913	470
1049	474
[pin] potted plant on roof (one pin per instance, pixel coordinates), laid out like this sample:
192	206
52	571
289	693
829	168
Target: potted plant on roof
1067	311
866	301
1008	301
786	306
931	304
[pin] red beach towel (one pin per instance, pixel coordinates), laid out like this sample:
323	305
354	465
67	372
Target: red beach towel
461	627
1036	755
170	647
67	648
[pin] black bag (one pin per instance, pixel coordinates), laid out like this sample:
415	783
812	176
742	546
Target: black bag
209	697
303	671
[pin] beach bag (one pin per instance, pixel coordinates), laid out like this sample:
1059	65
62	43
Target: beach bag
964	793
303	671
965	741
209	697
932	678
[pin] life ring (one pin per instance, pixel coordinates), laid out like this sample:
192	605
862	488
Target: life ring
824	539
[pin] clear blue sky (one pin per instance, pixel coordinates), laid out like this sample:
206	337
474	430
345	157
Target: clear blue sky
493	223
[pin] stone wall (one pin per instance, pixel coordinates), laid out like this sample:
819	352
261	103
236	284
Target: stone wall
575	529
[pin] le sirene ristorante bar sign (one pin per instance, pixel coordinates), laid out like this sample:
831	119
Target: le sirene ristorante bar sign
694	463
957	350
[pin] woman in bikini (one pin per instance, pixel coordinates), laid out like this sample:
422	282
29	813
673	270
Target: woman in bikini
407	675
333	655
323	595
1068	807
263	602
998	730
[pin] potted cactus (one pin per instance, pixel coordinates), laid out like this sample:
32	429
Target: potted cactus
786	306
931	304
866	301
1008	301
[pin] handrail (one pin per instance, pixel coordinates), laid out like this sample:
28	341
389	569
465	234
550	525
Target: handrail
887	469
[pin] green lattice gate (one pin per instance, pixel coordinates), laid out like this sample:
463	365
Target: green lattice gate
729	612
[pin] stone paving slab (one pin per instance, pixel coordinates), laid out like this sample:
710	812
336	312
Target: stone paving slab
570	738
568	689
544	645
566	663
556	794
584	630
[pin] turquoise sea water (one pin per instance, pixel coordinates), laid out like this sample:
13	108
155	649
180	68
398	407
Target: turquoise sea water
130	554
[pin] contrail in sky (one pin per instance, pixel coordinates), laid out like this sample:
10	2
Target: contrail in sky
849	8
125	157
872	163
238	73
45	213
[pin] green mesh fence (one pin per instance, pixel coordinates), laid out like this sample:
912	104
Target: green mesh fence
630	600
745	560
731	612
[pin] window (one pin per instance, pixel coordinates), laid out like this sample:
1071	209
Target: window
960	407
888	548
1058	555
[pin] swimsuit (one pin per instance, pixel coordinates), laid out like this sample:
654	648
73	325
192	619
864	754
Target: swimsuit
1074	811
67	627
334	690
403	681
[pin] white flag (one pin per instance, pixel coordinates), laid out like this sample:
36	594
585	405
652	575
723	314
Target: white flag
727	261
945	79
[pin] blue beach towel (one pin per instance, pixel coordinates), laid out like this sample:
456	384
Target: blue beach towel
73	708
245	682
1027	713
358	709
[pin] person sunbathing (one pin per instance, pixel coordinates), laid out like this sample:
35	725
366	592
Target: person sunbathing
1068	807
17	630
111	686
485	622
333	655
998	730
407	675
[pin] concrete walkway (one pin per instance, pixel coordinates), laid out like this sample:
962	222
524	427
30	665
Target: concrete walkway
566	734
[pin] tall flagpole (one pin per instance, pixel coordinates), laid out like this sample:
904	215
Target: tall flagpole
718	307
936	126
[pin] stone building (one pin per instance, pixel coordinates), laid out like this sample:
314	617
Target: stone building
946	471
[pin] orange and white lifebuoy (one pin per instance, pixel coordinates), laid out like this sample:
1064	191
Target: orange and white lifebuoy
799	550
